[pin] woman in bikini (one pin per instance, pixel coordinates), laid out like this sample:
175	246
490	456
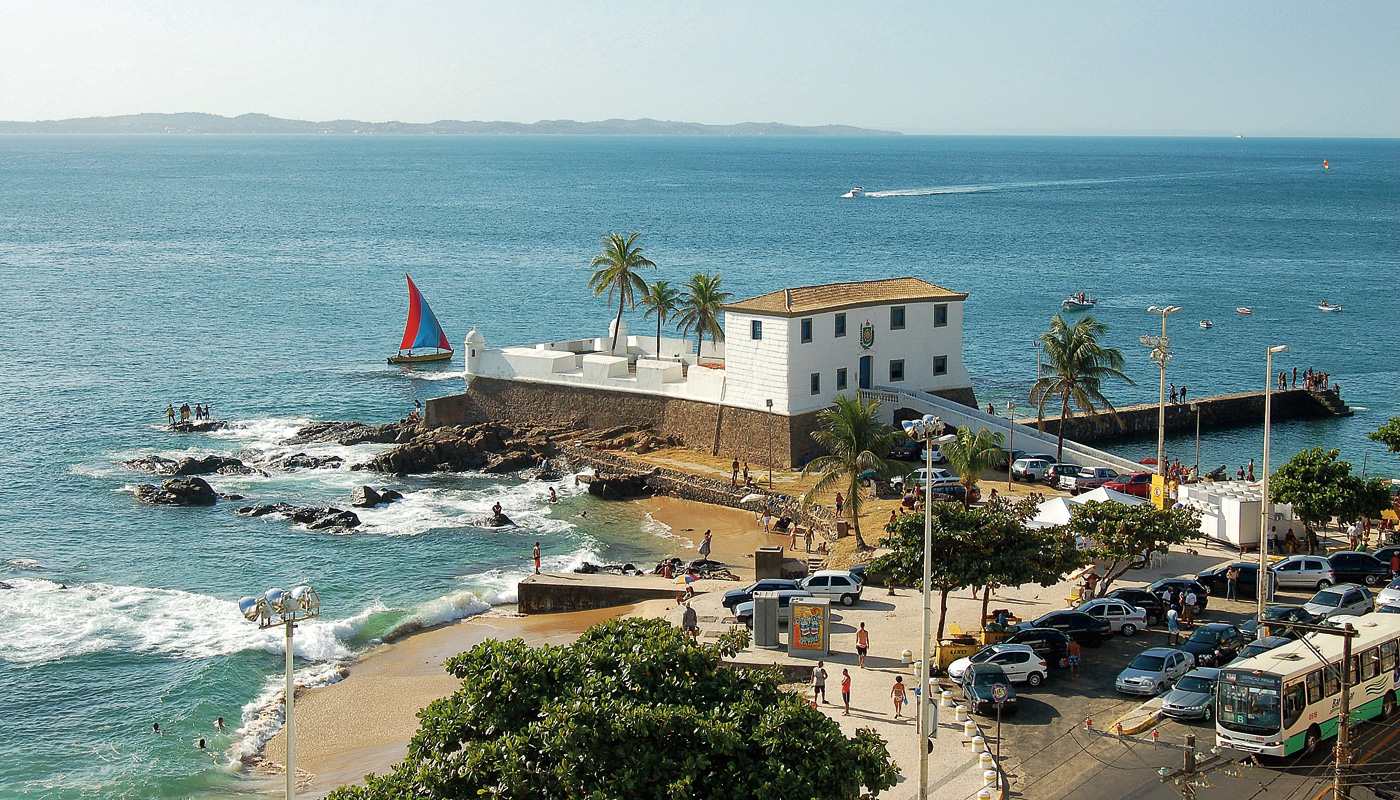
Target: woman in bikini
897	692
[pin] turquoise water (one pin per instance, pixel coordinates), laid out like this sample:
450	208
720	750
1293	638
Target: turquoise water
265	275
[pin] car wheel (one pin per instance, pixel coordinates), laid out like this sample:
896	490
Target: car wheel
1310	741
1209	712
848	599
1372	580
1323	584
1160	687
1034	679
1128	629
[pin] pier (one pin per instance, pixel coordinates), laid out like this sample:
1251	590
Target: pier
1221	411
568	591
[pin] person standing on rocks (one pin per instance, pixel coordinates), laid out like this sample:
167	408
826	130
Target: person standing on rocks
185	412
170	412
705	545
537	556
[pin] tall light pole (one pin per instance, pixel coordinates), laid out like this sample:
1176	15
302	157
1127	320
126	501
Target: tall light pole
1264	499
770	445
1161	354
1011	440
274	608
926	430
1196	407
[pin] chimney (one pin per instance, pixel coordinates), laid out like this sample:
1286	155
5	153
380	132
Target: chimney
787	298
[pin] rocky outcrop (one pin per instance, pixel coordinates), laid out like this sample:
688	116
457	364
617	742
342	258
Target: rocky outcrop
199	426
296	461
367	497
208	465
352	433
617	487
489	447
496	520
178	492
328	518
589	568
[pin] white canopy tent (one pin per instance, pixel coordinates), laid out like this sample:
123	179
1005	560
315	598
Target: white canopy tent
1103	494
1057	510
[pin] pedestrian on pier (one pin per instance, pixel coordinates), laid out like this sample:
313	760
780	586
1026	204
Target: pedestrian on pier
1172	395
734	473
1295	377
1250	477
690	622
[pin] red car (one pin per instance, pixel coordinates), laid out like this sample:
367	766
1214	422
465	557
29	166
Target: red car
1137	483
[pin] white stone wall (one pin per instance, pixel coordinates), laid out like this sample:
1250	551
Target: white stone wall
757	370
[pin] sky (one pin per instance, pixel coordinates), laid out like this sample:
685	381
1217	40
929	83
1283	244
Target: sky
1276	68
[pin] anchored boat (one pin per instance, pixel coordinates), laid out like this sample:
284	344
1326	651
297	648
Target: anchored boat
1207	324
1078	302
1326	306
1243	310
421	332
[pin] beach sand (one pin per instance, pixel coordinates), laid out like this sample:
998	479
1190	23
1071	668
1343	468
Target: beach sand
363	723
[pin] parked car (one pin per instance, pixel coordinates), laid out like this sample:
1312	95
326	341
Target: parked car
744	611
734	597
1076	625
1153	671
1390	594
1388	608
954	491
1344	598
1002	458
977	683
1258	646
1138	484
1214	644
1050	643
837	584
1384	554
1087	478
1281	613
1030	469
1182	585
1218	584
1122	617
921	477
1193	696
1147	601
907	451
1020	662
1060	470
1304	572
1353	567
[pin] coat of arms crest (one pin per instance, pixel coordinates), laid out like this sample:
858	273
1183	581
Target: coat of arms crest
867	335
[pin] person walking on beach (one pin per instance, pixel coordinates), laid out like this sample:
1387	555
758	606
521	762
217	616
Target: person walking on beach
734	473
1232	579
705	545
767	518
819	682
840	501
846	692
898	693
1074	653
808	538
537	558
862	644
690	622
792	538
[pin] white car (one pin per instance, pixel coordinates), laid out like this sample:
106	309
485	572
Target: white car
1020	662
837	584
1390	594
1344	598
1154	671
922	477
1307	572
1122	617
1030	469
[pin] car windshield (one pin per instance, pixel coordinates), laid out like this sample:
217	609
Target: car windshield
1193	683
1327	598
1255	649
988	677
1279	612
1203	636
1148	663
983	655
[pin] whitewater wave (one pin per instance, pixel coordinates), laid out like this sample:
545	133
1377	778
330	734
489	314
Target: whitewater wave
991	187
24	565
264	716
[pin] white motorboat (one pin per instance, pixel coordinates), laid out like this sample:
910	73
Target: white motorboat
858	191
1326	306
1207	324
1243	310
1078	302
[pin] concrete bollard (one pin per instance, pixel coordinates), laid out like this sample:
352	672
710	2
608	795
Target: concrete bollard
979	745
947	699
918	672
969	729
989	778
986	762
962	713
907	656
984	794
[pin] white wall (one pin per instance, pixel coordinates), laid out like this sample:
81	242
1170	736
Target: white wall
757	370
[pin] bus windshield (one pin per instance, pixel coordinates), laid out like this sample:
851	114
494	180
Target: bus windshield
1249	703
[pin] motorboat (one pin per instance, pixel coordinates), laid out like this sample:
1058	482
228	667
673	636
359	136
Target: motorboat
1078	302
1207	324
1326	306
1243	310
858	191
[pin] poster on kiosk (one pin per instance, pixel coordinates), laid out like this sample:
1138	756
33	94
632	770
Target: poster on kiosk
809	632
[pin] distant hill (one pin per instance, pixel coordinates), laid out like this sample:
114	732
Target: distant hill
262	123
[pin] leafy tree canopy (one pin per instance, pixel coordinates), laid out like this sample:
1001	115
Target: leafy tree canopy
1389	434
972	454
1321	487
1125	536
632	709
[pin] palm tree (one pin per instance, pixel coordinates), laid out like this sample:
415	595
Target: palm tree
972	454
857	443
615	271
700	307
1078	366
663	301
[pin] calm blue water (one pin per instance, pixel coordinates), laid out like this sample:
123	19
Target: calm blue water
265	275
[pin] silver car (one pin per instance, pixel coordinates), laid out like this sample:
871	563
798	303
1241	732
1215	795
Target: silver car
1124	617
1304	572
1154	670
1339	600
1390	594
1193	697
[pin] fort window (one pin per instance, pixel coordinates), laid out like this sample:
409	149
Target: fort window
897	318
840	325
806	330
755	330
816	383
940	365
896	370
841	379
940	315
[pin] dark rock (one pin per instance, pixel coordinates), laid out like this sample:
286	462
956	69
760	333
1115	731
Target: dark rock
365	497
617	487
334	519
316	519
513	461
390	495
223	496
496	520
350	433
297	461
178	492
587	568
492	447
198	426
207	465
263	509
155	465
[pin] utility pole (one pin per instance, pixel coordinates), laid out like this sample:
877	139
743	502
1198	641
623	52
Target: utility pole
1343	750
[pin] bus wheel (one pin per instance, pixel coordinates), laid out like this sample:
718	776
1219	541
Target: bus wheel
1388	705
1310	741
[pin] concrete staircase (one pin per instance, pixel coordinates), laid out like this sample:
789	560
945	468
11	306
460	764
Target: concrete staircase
1332	401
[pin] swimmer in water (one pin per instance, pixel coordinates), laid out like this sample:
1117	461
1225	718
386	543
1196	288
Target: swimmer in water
155	727
553	498
200	743
219	724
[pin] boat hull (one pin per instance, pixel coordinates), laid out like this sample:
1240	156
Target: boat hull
1073	305
421	359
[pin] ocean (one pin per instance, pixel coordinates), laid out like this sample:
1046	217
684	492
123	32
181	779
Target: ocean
264	275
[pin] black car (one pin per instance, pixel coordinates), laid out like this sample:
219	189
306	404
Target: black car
1354	567
1054	472
1217	584
1214	644
1155	607
1048	643
1181	585
1076	624
955	491
1384	554
734	597
1004	458
907	451
1250	628
977	684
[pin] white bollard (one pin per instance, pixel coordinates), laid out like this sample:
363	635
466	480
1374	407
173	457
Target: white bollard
989	777
918	671
979	745
962	713
947	699
984	794
907	656
986	761
969	729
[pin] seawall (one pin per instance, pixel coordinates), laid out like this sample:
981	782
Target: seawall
1222	411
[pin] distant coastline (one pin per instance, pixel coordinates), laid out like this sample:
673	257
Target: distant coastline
194	123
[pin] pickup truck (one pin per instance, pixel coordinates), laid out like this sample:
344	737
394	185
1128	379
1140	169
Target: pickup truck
1087	478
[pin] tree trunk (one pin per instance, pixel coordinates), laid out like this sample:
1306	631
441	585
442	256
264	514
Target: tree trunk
853	505
658	336
617	323
942	612
986	600
1064	411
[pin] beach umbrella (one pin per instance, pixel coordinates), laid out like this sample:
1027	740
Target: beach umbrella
749	498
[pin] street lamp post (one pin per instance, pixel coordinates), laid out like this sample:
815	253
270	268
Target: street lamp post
274	608
1264	499
1196	407
1161	354
1011	440
770	444
926	430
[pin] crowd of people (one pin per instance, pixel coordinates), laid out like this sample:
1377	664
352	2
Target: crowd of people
200	412
1312	380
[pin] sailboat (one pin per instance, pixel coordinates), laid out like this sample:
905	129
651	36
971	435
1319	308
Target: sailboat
421	332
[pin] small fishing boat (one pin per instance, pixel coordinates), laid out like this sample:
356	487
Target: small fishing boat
1078	302
421	332
1326	306
1207	324
1243	310
858	191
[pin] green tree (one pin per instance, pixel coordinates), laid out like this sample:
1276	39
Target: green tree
1125	536
856	443
615	272
1320	487
661	300
972	454
1389	434
632	709
701	301
1077	366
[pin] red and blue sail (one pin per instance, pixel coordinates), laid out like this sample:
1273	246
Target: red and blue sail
422	329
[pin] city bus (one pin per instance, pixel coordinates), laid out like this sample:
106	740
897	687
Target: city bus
1287	701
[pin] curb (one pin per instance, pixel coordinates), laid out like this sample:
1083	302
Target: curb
1131	728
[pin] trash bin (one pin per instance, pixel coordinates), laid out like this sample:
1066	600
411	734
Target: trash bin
765	620
768	563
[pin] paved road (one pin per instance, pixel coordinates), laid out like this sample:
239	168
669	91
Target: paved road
1052	757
